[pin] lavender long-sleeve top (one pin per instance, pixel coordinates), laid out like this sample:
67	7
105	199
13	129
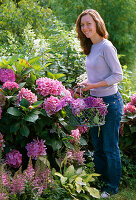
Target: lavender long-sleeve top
102	64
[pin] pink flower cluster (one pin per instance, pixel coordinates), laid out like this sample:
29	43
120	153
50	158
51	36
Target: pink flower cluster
6	75
0	112
78	105
52	105
76	156
17	185
14	158
130	108
47	86
10	85
3	196
2	145
76	135
83	129
133	99
26	94
36	148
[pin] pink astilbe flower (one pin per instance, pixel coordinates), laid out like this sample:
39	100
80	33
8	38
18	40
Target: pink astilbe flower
129	109
17	185
41	180
5	179
2	145
29	173
52	105
76	135
10	85
26	94
133	99
0	112
76	156
78	105
47	86
3	196
36	148
7	75
14	158
82	129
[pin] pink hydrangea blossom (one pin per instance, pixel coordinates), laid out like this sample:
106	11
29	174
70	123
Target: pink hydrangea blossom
7	75
76	135
52	105
82	129
129	109
76	156
0	112
36	148
26	94
78	105
10	85
133	99
14	158
47	86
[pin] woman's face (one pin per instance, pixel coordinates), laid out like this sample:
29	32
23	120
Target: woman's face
88	26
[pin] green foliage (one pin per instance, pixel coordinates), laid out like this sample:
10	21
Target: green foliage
119	17
76	182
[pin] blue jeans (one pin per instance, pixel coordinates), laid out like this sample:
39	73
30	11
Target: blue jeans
106	150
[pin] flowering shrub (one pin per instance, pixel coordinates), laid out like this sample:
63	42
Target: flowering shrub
26	94
10	85
14	158
7	75
47	86
52	105
36	148
128	128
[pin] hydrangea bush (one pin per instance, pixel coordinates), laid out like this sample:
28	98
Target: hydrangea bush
128	128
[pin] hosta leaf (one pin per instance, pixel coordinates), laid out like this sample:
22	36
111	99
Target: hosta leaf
63	180
69	171
92	191
14	111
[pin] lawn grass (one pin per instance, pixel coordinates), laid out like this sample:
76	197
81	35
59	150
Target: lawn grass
125	194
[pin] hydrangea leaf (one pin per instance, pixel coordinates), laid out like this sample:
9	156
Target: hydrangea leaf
14	111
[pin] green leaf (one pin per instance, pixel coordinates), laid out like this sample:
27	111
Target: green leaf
37	103
27	71
22	85
50	75
93	192
14	111
24	131
24	103
14	127
32	117
55	144
57	76
69	171
83	141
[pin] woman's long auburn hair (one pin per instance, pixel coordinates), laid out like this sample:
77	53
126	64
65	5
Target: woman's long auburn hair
85	42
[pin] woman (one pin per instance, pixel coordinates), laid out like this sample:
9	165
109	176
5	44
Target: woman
104	73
